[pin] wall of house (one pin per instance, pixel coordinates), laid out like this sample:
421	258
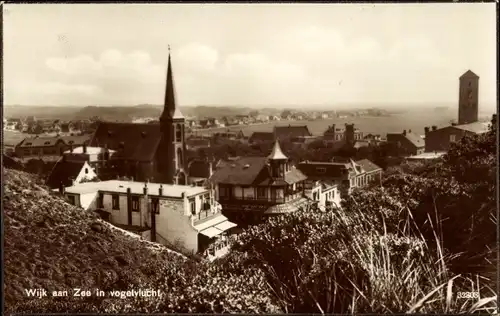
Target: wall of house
117	216
88	200
439	140
332	195
83	175
173	225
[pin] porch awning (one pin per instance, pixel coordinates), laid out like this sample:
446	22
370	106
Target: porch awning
211	232
225	226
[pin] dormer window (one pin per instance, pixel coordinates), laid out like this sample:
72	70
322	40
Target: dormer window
28	144
47	143
71	142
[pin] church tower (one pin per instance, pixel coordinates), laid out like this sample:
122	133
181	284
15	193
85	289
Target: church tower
468	98
170	157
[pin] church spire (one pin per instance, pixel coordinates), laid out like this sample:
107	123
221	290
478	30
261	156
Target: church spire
170	110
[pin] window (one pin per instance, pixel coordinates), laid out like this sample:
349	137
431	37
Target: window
470	83
71	199
261	193
320	170
155	205
452	138
224	191
136	206
100	201
179	158
27	152
178	133
192	206
86	170
115	201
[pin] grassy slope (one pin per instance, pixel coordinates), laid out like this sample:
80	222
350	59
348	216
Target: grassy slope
51	244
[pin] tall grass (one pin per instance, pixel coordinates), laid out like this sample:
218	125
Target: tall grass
360	267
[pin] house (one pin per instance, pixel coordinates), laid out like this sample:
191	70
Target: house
348	134
303	141
274	118
72	141
347	175
68	173
229	121
96	157
260	137
148	151
187	217
250	189
290	131
440	139
194	143
406	143
65	127
40	146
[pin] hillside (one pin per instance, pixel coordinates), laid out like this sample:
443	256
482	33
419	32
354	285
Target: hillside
53	245
119	113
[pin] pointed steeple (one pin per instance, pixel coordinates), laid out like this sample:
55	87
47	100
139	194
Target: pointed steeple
170	110
276	153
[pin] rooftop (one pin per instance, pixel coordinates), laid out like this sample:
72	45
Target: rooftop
476	127
430	155
120	186
90	150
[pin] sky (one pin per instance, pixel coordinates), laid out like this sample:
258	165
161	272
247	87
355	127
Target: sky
248	54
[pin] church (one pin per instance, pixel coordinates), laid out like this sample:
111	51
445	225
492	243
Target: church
145	152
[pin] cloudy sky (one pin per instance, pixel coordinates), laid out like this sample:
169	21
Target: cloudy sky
279	54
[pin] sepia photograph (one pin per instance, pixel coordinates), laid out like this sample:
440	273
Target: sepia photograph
278	158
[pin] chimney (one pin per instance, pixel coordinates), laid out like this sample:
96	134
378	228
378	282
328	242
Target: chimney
409	131
404	132
70	148
453	124
61	188
145	189
426	129
129	206
434	127
160	190
84	148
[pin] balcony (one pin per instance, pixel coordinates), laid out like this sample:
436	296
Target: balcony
219	248
207	212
